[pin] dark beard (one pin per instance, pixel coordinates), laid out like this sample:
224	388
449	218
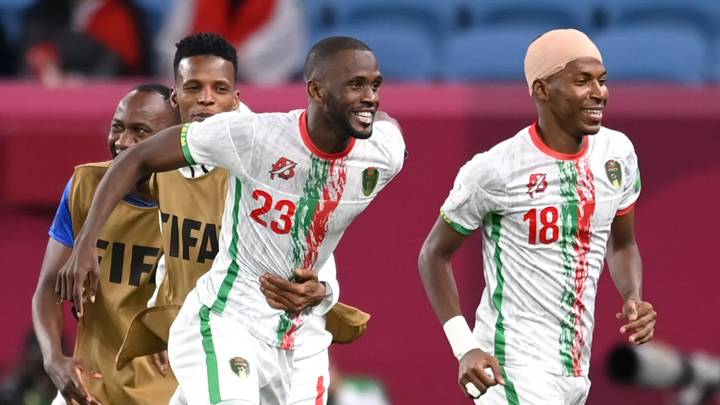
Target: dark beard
340	121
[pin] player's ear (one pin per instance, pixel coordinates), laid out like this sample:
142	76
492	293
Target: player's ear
315	91
540	90
173	98
236	100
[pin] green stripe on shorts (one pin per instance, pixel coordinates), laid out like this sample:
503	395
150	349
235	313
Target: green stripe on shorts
210	356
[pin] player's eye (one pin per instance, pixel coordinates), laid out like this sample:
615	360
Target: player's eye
117	127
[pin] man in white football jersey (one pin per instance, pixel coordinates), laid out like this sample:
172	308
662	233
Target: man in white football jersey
298	179
549	201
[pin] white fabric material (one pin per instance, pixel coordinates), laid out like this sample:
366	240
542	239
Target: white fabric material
268	368
546	294
310	378
251	146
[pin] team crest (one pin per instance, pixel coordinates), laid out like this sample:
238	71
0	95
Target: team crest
369	180
537	183
614	173
240	367
283	168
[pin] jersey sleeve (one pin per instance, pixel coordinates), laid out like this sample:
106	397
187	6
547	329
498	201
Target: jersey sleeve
328	275
222	140
61	229
396	148
473	196
632	185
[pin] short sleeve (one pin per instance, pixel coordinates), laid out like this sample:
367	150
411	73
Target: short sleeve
632	185
328	275
220	140
61	229
396	147
473	195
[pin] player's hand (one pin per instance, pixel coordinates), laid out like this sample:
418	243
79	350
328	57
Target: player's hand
77	280
161	362
65	375
305	292
473	369
640	317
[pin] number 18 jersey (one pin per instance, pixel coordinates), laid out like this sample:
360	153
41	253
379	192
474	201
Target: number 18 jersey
546	219
287	206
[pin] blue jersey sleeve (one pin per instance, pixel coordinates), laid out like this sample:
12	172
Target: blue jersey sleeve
62	229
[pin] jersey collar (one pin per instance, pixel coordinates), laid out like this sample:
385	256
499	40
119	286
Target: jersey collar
555	154
314	149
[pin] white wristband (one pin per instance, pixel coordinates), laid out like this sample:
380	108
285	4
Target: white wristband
460	337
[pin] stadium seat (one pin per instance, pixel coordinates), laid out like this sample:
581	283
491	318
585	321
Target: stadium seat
436	17
700	15
654	55
155	12
11	13
404	52
320	17
540	15
487	54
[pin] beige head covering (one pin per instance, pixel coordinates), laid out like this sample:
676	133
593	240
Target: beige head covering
550	52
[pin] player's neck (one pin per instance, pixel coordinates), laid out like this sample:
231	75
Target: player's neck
322	133
555	137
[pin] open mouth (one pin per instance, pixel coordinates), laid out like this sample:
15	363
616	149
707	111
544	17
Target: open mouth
364	117
594	114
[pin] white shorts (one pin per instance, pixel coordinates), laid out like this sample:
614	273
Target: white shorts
528	385
216	360
310	379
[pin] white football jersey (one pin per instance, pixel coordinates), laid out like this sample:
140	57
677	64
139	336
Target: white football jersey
546	219
287	206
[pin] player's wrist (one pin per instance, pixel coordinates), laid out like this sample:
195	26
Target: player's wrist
460	336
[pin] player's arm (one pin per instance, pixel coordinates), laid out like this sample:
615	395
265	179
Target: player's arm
308	289
48	323
623	258
160	152
435	266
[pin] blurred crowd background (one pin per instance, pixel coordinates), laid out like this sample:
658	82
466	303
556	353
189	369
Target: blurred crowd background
416	40
455	81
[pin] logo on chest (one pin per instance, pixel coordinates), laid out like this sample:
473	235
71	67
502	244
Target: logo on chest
537	183
369	180
283	168
614	173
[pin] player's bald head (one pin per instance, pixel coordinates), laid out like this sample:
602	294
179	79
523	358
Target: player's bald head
325	49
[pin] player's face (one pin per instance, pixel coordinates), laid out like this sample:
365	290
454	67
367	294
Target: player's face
578	96
138	116
353	81
204	86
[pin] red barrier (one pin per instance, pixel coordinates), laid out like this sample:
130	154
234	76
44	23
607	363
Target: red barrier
44	132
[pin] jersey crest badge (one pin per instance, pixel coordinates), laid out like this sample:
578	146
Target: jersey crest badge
240	367
536	184
614	173
369	180
283	168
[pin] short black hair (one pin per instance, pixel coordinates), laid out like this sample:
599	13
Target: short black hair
205	43
160	89
327	47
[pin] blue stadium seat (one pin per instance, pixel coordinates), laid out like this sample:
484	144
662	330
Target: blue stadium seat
714	67
540	15
11	13
320	17
433	16
700	15
155	13
404	52
654	54
487	54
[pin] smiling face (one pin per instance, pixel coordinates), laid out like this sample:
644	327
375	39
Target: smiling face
204	86
351	82
138	116
577	96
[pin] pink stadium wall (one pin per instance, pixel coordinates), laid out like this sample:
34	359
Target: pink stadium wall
675	131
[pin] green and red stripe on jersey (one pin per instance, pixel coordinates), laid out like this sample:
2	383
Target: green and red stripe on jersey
578	193
321	196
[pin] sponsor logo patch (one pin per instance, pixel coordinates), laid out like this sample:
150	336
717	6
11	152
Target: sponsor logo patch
240	367
537	183
369	180
283	168
614	173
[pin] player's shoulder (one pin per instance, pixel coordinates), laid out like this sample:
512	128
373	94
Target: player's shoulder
387	138
91	170
614	141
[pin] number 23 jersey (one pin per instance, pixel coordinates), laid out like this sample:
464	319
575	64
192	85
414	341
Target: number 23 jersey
287	206
546	219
